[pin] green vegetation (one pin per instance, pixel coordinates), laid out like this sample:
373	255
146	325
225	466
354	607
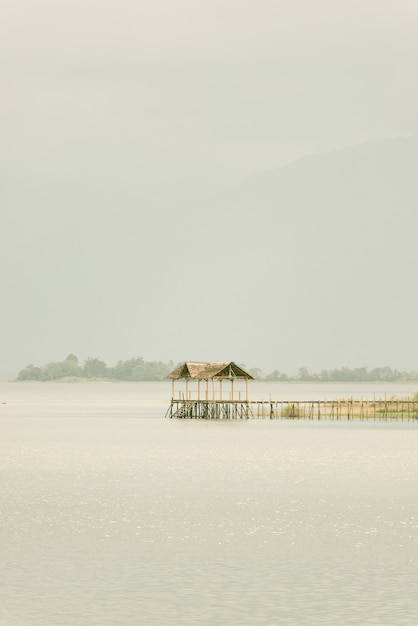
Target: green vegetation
292	411
137	369
347	375
133	369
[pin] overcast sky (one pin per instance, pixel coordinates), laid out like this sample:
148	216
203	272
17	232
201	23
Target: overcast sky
106	102
173	88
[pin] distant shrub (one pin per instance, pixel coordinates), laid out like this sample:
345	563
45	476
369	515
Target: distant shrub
292	411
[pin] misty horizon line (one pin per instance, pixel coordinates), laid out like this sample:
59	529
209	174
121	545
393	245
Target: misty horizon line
137	369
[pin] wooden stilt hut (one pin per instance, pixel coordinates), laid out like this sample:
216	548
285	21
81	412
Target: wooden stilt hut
212	399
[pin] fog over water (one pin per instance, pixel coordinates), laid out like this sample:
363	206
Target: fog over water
111	515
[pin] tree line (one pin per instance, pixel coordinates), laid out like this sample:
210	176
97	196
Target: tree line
345	374
135	369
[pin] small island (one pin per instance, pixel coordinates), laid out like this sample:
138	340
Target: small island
94	368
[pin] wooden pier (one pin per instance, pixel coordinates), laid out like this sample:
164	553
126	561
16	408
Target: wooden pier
294	410
208	409
217	395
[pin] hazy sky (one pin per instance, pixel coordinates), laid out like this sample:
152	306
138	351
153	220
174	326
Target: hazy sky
106	105
169	89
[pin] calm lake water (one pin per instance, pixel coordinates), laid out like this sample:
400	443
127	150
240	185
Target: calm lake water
111	515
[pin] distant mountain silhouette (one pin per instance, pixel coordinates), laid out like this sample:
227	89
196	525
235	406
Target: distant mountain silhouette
313	264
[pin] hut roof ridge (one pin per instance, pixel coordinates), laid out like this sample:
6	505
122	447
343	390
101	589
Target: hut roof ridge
207	370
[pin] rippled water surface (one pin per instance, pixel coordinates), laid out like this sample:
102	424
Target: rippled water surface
111	515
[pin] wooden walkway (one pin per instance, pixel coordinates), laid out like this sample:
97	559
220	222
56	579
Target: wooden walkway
347	409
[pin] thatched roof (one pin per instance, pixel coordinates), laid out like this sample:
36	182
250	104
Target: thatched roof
207	371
